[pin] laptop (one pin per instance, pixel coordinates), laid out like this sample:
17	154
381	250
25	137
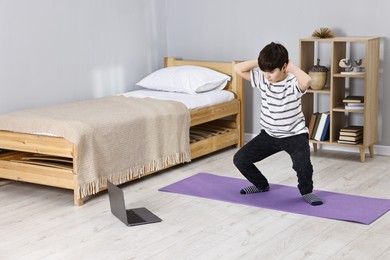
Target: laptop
131	217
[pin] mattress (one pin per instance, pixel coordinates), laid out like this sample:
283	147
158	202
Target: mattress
189	100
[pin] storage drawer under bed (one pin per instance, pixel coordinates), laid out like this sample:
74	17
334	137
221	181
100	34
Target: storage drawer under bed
36	168
212	136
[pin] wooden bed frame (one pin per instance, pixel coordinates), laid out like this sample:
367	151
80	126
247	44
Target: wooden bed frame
212	128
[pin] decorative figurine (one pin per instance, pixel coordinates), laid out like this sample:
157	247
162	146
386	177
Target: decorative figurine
346	64
360	65
323	32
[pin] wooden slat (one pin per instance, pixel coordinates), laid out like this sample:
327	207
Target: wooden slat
214	143
36	144
202	115
36	174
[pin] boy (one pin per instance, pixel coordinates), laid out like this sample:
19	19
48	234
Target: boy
281	85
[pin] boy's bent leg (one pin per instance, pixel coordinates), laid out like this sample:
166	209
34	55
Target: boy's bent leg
299	150
254	151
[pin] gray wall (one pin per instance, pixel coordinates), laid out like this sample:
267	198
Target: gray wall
236	30
66	50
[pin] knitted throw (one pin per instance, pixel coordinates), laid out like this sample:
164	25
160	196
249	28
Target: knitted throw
117	138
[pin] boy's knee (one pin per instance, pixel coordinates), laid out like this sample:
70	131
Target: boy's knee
237	159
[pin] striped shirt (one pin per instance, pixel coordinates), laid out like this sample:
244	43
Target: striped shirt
281	113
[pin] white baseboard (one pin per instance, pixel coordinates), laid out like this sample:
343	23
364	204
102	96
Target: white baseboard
378	149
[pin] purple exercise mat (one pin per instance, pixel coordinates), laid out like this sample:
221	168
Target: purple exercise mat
284	198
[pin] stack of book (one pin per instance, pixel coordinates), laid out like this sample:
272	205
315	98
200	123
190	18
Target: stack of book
351	135
319	126
354	102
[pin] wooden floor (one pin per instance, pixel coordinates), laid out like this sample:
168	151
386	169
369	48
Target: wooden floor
39	222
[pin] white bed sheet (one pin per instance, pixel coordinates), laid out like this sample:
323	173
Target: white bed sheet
191	101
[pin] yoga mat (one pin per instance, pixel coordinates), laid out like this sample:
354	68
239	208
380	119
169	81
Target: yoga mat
337	206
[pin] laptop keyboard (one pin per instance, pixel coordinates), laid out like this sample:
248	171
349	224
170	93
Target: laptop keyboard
133	218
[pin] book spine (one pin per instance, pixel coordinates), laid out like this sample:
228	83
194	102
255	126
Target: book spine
325	132
318	117
320	128
312	123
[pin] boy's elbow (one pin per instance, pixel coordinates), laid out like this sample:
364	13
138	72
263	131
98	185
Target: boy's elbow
303	85
306	83
237	69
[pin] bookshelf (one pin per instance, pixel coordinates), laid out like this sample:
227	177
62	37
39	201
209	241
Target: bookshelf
341	84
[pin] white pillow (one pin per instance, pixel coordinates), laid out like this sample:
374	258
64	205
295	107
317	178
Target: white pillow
185	79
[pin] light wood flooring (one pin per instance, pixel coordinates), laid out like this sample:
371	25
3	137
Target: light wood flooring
38	222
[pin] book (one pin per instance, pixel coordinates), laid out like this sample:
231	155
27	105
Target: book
354	104
344	133
349	142
349	107
351	138
325	132
318	118
353	99
312	123
322	127
352	128
317	122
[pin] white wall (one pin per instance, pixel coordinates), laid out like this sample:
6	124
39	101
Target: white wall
67	50
228	30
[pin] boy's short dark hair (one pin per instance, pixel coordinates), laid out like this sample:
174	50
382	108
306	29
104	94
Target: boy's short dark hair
272	56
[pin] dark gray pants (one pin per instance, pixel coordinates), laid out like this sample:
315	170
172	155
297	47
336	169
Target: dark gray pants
264	145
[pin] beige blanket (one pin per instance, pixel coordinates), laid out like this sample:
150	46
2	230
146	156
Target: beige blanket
117	138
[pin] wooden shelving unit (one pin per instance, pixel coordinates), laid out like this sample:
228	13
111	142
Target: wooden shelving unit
340	84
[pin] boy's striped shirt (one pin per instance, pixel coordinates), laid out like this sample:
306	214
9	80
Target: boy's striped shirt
281	114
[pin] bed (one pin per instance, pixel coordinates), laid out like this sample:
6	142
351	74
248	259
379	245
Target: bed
52	160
